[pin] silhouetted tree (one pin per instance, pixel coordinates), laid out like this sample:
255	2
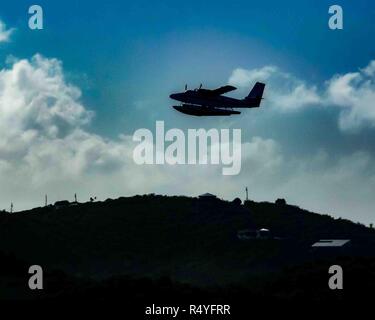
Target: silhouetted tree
237	201
280	202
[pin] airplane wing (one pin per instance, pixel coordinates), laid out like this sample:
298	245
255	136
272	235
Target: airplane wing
216	92
222	90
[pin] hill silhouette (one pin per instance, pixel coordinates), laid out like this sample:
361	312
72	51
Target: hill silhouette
95	247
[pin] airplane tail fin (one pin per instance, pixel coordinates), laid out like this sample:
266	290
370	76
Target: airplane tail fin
256	93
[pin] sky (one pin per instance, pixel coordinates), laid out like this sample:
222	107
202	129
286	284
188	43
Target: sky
73	94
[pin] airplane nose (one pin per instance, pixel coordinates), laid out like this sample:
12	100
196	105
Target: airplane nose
172	96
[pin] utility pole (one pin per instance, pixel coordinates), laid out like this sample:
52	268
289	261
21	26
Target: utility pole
75	197
247	194
11	207
45	200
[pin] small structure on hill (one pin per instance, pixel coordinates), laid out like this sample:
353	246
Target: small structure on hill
331	246
249	234
332	243
264	233
207	196
61	204
237	201
280	202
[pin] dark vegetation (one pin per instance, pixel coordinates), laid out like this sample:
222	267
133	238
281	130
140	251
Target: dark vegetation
158	248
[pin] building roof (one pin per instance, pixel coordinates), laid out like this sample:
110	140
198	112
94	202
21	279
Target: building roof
207	195
332	243
62	202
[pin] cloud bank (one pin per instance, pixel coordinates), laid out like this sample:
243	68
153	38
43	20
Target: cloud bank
353	93
284	91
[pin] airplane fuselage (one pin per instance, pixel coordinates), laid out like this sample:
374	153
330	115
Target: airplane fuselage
192	97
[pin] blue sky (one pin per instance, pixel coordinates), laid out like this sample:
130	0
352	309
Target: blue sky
123	41
126	58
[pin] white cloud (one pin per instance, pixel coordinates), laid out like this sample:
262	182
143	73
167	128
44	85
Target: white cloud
369	70
37	104
284	91
43	144
262	155
353	93
298	97
4	33
242	77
